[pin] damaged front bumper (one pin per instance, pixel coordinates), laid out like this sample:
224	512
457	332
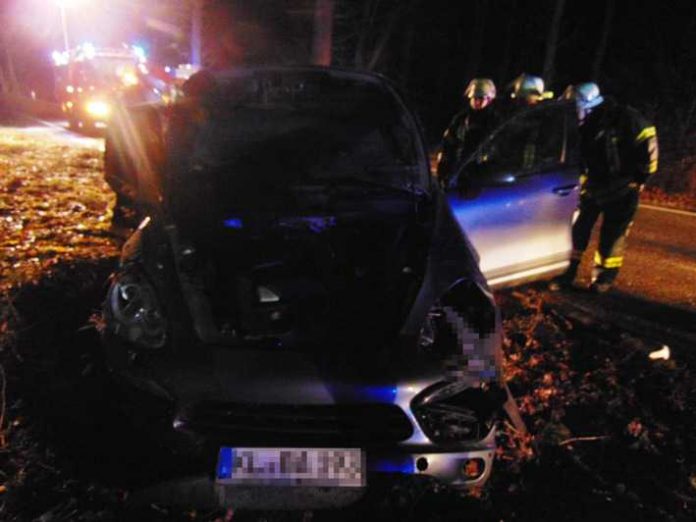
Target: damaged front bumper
394	442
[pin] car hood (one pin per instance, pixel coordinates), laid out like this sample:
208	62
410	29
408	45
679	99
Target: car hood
338	280
309	309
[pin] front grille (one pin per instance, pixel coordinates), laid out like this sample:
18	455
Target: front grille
280	424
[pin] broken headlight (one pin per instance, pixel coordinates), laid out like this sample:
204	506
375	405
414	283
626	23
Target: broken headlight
451	416
133	311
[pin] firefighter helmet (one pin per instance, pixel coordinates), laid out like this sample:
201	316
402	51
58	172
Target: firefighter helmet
587	96
528	87
480	88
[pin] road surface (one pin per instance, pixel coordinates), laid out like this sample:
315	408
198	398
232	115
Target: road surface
655	295
56	131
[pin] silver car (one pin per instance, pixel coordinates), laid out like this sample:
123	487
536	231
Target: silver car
302	312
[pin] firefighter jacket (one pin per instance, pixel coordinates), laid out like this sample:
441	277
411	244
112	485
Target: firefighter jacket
619	149
464	134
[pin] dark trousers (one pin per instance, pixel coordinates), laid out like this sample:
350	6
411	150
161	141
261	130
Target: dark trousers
617	218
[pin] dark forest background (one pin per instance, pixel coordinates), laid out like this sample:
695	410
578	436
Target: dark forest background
643	52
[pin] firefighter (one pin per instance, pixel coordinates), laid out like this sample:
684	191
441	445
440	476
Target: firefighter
468	128
524	92
619	150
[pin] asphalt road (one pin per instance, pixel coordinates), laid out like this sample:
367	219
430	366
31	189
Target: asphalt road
58	131
654	297
660	261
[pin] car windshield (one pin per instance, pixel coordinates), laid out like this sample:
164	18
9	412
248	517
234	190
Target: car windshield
285	130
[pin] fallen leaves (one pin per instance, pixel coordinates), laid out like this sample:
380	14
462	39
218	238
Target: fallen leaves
599	412
49	193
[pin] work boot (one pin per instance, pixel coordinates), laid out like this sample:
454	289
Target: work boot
600	288
565	280
603	282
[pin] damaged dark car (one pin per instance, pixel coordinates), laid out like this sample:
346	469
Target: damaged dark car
300	312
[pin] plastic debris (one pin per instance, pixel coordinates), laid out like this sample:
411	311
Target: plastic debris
661	354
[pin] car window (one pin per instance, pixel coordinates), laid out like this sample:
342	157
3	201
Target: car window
297	129
529	142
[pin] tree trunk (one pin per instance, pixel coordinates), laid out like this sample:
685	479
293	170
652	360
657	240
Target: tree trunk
386	34
552	42
196	28
603	40
363	30
11	76
323	32
476	45
4	87
504	66
407	51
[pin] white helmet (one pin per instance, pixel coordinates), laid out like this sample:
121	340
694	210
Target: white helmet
587	96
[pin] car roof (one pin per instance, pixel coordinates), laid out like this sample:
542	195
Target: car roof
340	72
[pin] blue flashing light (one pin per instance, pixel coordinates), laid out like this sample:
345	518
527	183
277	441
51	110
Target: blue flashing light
384	394
402	464
224	467
139	53
234	223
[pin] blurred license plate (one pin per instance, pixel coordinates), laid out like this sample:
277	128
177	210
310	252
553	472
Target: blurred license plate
337	467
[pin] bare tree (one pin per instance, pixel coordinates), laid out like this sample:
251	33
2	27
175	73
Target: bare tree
504	63
477	36
552	41
601	50
370	27
323	32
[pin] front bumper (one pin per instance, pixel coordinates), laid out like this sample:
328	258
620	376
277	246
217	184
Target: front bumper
202	490
415	459
202	407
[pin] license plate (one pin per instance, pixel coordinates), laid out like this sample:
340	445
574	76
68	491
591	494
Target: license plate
332	467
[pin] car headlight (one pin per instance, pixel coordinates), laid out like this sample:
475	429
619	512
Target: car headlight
133	311
451	416
98	109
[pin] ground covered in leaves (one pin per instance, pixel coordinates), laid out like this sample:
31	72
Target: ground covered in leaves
681	201
610	432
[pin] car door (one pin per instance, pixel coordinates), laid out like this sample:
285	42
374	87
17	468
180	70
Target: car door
516	196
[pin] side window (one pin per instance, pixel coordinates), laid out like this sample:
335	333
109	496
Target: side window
529	142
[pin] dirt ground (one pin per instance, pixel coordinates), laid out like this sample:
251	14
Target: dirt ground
611	431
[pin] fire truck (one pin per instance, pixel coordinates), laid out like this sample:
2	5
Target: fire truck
89	80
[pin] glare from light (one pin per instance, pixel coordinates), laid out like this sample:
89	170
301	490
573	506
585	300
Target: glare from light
88	50
140	53
129	79
98	109
69	4
60	58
